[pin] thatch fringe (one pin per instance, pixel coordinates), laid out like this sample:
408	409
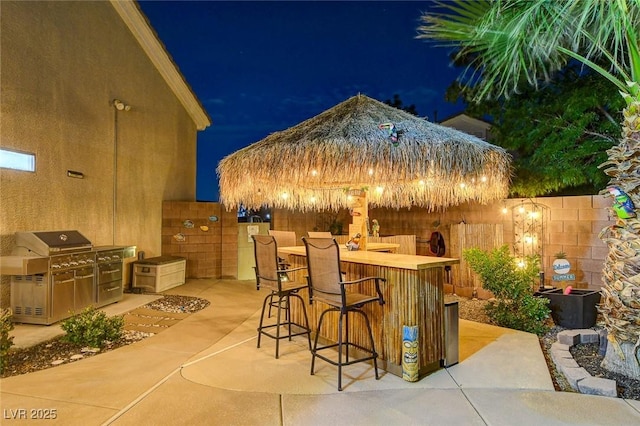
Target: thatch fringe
313	163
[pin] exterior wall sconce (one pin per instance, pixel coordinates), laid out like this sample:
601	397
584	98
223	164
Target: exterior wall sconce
121	106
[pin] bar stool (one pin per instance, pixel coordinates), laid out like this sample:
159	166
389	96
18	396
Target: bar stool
268	275
326	285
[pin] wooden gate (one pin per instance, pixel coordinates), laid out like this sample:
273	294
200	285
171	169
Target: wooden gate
464	282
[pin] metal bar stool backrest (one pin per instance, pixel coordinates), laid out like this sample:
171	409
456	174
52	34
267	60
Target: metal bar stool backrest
323	264
284	238
266	256
315	234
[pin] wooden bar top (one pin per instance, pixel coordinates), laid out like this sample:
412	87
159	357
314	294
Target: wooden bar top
401	261
390	247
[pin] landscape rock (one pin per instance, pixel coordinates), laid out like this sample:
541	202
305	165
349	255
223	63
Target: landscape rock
598	386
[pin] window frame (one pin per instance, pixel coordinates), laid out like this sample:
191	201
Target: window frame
28	160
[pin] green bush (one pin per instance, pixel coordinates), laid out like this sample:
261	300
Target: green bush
515	306
92	328
6	341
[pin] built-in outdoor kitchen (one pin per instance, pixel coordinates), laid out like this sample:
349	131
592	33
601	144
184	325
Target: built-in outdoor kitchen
56	273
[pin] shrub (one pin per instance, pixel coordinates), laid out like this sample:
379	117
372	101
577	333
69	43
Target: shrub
6	341
515	305
92	328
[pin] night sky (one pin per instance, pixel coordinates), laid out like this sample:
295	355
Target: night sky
260	67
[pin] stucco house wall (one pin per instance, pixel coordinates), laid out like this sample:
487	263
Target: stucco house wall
470	125
62	65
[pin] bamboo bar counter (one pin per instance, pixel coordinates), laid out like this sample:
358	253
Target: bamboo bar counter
413	295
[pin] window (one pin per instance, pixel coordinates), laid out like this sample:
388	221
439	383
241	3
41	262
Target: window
17	160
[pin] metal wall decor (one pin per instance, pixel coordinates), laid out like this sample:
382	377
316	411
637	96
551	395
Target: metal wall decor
529	229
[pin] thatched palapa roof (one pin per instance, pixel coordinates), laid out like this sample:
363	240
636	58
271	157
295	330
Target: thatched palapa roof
311	166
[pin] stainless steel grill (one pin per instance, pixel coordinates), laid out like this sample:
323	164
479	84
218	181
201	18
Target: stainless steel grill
76	275
46	243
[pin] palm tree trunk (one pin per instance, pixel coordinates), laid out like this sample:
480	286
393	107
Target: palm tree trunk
620	305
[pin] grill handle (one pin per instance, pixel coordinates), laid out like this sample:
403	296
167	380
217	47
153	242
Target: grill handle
84	276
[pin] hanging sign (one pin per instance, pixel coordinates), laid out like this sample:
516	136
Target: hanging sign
561	268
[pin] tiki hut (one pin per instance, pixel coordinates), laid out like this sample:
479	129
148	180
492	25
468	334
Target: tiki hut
364	145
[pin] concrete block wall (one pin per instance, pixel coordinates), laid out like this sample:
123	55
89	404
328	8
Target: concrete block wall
575	223
572	226
211	253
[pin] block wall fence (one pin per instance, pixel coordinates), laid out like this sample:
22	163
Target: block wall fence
571	225
210	253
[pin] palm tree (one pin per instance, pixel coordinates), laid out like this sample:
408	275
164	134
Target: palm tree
509	43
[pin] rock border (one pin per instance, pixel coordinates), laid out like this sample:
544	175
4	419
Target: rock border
579	378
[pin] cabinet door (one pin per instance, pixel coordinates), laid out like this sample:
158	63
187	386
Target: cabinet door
85	289
62	295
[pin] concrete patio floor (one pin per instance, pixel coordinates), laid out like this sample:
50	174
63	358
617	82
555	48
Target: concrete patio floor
206	369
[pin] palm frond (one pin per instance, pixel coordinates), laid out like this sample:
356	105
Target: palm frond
516	41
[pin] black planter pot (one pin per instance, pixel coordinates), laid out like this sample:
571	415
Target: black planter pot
574	310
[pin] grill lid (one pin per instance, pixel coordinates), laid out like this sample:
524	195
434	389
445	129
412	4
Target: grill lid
46	242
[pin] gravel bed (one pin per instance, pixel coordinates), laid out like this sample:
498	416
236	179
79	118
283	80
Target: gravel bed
586	355
178	304
57	351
